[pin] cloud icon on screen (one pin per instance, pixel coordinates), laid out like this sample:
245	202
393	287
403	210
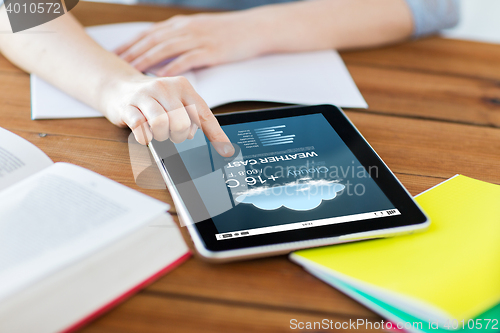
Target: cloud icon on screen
295	196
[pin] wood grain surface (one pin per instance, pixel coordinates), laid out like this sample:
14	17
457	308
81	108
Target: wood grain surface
434	112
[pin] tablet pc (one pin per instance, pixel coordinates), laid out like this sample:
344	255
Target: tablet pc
301	176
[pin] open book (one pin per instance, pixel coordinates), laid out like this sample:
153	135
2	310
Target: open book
72	242
300	78
446	278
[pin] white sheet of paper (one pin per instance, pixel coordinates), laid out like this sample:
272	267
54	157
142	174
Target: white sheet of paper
300	78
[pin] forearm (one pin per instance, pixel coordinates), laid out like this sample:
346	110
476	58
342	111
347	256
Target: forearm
62	53
333	24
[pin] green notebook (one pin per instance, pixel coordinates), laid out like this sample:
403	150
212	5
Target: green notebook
449	274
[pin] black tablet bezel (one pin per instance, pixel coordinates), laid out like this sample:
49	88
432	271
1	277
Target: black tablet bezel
410	212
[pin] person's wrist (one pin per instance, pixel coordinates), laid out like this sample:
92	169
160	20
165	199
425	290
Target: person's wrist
266	25
290	27
114	93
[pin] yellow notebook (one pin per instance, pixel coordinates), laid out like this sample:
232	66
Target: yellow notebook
451	271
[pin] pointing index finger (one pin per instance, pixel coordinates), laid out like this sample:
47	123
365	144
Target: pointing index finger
210	126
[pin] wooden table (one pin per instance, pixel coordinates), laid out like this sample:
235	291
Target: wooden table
434	112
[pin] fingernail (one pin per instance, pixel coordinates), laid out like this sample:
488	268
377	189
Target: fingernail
194	128
165	72
138	66
228	149
143	134
161	73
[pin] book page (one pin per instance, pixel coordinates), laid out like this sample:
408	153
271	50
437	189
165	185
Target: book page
19	159
309	78
61	215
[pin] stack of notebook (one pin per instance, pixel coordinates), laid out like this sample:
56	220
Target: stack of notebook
447	278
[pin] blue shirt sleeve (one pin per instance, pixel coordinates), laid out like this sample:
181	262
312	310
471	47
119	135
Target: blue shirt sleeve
430	16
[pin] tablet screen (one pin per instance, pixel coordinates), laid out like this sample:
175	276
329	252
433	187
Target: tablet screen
295	173
289	173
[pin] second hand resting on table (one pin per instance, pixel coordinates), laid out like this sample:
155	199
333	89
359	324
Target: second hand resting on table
202	40
70	60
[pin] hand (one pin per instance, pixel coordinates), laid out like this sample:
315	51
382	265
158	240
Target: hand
163	108
196	41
